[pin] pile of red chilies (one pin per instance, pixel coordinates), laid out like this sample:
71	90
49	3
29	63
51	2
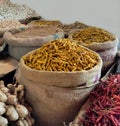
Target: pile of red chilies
105	104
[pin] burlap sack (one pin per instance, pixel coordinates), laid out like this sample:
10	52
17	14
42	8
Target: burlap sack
81	115
8	25
106	50
78	120
108	57
53	105
63	79
31	39
98	46
19	46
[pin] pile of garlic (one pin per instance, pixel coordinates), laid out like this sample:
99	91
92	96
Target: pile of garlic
14	111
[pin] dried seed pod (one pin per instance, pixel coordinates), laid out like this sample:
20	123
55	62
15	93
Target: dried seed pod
12	99
2	109
3	97
22	111
3	121
11	113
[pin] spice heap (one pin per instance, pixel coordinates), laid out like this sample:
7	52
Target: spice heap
69	27
4	2
9	24
61	55
38	31
16	11
93	34
105	104
14	111
45	22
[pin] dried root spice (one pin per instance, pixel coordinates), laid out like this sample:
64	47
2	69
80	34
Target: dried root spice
93	34
45	22
61	55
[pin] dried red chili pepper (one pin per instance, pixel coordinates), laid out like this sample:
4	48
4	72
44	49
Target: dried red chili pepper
105	104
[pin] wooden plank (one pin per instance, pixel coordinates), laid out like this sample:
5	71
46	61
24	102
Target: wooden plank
7	65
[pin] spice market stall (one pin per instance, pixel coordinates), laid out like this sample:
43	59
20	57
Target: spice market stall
57	71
